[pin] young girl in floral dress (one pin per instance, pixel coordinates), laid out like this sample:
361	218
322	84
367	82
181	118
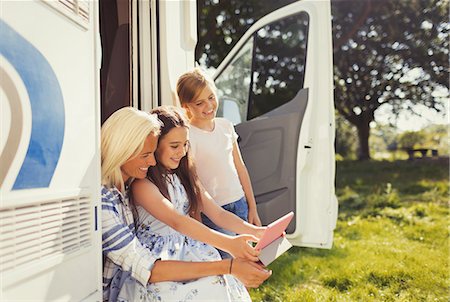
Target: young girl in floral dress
165	201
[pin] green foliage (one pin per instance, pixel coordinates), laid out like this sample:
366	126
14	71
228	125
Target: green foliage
346	142
386	52
386	143
391	240
222	23
411	139
383	56
437	137
383	141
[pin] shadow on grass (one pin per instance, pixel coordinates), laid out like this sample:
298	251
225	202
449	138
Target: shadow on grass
340	283
292	265
398	280
407	176
407	199
365	189
293	268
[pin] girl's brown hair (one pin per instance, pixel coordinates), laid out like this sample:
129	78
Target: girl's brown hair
191	84
171	118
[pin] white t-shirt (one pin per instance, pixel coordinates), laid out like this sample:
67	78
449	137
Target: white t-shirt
213	155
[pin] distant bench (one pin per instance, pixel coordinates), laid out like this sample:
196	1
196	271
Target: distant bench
422	151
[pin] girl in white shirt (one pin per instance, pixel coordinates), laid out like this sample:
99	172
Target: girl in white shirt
215	150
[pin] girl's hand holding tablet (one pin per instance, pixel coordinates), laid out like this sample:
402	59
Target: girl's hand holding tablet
239	247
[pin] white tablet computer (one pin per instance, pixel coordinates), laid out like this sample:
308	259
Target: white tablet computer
274	230
272	244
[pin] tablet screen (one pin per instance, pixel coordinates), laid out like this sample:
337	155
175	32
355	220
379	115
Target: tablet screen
274	230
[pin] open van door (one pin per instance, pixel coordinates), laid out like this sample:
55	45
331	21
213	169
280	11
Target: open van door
276	85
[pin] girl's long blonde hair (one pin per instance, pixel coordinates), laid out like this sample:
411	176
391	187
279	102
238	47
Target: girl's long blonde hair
191	84
122	138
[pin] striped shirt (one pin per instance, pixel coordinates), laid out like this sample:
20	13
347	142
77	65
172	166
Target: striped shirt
122	252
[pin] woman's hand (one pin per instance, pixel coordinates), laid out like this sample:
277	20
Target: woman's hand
251	274
239	247
253	217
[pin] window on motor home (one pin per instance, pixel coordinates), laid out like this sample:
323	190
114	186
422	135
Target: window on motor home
233	85
277	54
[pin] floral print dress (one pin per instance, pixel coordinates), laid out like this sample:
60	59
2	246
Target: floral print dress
166	243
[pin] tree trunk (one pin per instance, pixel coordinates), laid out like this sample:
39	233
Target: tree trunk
363	137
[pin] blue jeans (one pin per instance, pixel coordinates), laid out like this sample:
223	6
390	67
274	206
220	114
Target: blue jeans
239	208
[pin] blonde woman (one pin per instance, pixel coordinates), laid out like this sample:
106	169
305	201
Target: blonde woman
128	141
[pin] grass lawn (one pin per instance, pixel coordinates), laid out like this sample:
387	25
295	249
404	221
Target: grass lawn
391	241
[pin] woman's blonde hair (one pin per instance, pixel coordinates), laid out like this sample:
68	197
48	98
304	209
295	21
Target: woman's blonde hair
191	84
122	138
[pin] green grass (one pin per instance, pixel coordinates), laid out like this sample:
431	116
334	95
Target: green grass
391	241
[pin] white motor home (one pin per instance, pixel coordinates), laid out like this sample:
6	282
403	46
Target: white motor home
66	65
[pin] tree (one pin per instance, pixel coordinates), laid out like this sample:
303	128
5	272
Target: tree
222	23
345	143
437	137
383	141
388	52
410	139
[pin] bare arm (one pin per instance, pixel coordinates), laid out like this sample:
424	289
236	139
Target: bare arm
249	273
148	196
244	178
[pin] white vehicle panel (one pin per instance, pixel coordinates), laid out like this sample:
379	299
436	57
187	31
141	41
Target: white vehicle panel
50	242
316	204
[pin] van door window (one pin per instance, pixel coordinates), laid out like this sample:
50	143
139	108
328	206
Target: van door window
267	72
233	86
278	63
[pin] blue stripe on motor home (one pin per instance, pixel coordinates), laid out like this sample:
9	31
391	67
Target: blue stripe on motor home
47	107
